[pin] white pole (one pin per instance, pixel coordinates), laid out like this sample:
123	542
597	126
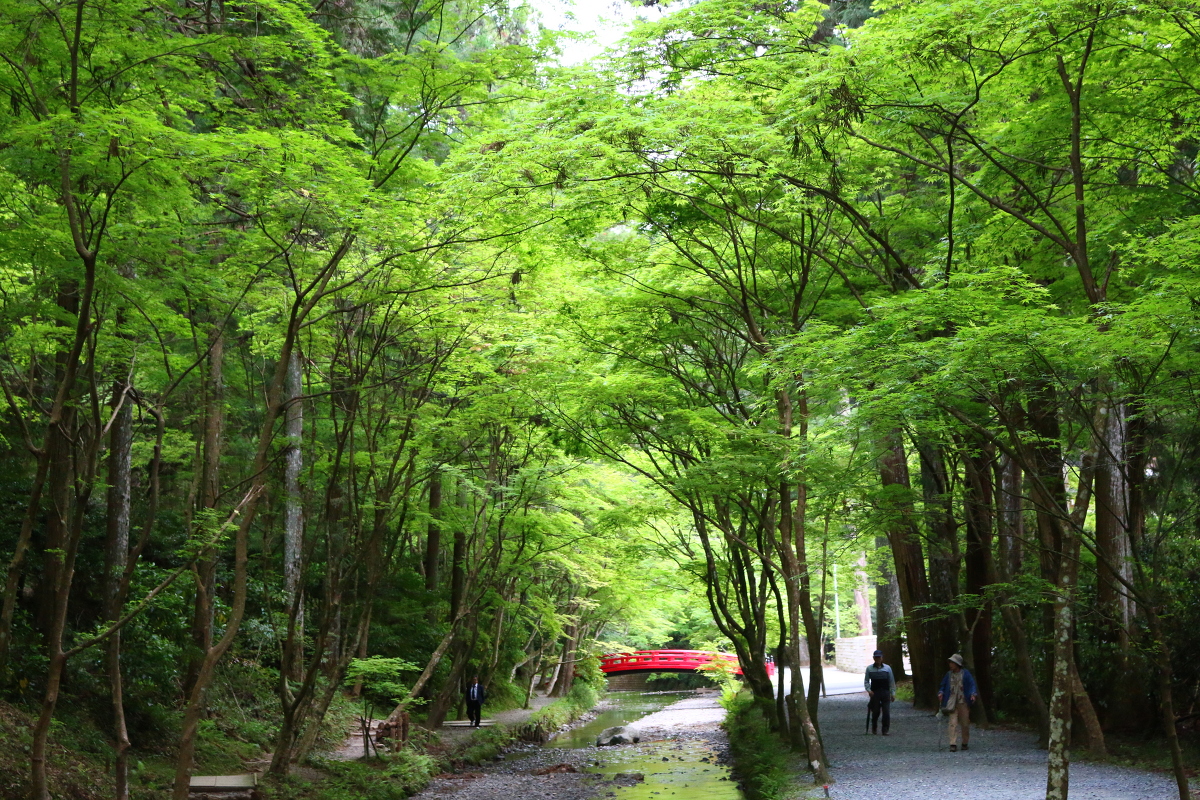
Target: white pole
837	611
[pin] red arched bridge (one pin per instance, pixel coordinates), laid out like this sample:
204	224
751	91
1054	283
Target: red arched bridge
668	661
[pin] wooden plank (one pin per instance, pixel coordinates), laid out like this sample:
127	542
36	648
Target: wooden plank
223	781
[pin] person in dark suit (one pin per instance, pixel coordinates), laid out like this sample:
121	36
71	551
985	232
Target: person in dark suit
475	697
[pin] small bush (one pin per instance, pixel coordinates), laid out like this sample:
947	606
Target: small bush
483	745
394	777
761	760
542	724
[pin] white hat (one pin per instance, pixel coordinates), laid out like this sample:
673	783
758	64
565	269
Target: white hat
956	658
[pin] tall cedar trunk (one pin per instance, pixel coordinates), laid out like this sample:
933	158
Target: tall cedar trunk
888	611
120	460
205	570
979	512
944	557
293	517
910	570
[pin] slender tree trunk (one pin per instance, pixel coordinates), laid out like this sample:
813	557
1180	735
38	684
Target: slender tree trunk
210	491
1086	712
1015	628
458	565
194	709
433	537
1058	759
1166	703
293	517
795	568
120	452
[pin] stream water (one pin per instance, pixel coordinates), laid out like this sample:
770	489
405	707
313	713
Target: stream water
621	708
680	769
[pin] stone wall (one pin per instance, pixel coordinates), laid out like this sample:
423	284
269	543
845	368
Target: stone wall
853	653
628	681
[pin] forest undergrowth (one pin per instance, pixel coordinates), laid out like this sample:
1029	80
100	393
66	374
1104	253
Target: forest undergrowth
236	738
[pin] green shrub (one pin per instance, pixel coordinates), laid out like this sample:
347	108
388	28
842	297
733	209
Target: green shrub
483	745
393	777
542	724
761	760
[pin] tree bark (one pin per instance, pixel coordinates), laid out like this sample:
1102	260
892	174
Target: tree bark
910	569
888	611
293	517
433	538
210	492
120	453
1058	758
979	512
944	555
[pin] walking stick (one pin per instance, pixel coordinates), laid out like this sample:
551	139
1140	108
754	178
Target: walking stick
867	729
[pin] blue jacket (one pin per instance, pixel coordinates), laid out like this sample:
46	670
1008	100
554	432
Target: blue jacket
968	686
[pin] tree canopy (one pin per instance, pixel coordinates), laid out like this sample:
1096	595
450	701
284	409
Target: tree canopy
340	332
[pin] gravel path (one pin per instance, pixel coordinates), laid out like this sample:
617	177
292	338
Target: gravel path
1001	764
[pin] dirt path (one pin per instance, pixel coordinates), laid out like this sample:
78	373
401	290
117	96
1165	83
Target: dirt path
352	747
1001	764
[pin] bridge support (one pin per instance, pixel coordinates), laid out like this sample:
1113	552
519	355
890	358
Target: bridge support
628	682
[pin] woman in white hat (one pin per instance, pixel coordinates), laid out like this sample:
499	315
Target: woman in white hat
957	694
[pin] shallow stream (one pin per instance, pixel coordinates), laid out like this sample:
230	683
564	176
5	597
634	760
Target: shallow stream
680	769
621	708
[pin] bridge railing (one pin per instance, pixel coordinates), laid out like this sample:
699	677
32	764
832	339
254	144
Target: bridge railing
643	660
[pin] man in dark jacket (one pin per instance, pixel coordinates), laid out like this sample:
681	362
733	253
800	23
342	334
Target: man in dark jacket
957	694
475	697
880	684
